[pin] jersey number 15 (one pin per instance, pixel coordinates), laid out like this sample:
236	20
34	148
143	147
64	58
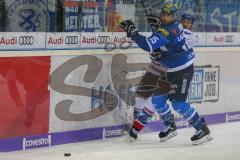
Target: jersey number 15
154	39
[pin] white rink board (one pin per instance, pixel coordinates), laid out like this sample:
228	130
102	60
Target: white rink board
229	79
226	99
83	98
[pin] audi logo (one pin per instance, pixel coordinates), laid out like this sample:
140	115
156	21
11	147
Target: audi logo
229	38
26	40
71	39
103	39
196	38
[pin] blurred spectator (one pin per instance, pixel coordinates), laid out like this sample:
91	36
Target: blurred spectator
59	27
2	14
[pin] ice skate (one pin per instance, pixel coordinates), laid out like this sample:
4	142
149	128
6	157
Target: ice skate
168	133
132	135
201	136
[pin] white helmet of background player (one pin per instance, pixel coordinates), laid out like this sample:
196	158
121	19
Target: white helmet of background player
187	21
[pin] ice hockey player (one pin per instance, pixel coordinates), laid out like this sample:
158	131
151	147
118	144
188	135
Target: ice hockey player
171	73
187	21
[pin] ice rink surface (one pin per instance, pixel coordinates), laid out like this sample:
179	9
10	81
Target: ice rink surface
224	146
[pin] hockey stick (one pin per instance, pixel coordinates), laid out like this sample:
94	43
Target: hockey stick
149	16
146	12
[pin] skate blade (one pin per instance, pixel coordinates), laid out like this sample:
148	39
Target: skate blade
173	134
127	138
203	140
130	139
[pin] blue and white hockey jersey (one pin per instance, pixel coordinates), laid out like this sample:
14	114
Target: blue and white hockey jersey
190	38
171	40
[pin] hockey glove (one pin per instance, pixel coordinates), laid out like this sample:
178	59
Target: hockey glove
129	27
154	21
156	55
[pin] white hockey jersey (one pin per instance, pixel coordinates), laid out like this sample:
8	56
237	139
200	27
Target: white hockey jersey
190	38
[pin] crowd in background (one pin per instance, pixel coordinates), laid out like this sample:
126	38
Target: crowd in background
105	15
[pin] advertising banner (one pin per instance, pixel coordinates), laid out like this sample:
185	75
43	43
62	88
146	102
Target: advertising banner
36	142
223	39
120	41
61	40
92	91
95	40
205	84
24	96
22	40
14	41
